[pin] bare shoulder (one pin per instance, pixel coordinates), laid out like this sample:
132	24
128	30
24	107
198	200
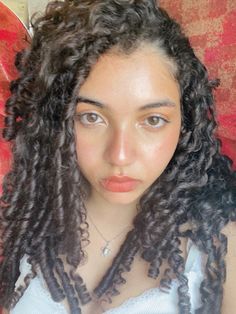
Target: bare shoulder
4	311
230	228
230	231
229	300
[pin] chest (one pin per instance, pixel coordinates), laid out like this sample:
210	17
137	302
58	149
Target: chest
137	280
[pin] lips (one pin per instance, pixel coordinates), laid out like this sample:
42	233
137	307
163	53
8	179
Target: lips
119	183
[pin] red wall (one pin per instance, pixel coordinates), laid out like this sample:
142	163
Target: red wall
211	26
12	39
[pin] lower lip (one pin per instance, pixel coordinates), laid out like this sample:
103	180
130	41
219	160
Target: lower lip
120	187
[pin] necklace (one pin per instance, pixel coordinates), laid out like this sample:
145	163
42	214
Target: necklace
106	249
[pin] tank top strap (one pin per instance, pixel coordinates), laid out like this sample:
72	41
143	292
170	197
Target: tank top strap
25	269
195	258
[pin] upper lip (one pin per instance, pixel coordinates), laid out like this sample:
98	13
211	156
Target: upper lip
120	178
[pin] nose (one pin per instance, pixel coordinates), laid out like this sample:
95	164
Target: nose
120	150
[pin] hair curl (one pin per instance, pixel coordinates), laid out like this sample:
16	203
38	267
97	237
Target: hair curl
42	211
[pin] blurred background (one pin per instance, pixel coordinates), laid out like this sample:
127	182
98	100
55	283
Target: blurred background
210	24
25	8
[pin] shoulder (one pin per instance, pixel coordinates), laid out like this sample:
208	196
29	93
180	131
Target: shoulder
230	228
229	300
230	231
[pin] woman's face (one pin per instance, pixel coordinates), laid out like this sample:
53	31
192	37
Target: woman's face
127	124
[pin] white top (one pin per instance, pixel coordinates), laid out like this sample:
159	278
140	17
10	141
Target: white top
37	299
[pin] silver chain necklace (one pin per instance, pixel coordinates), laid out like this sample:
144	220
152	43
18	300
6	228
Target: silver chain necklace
106	250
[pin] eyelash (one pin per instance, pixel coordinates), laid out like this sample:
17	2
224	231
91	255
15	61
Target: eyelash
164	121
80	116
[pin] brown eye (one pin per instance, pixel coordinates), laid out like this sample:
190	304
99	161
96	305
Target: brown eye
89	118
155	121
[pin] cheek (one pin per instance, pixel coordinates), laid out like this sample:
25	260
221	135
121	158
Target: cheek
86	153
161	153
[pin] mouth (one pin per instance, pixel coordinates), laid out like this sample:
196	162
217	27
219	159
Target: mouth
119	184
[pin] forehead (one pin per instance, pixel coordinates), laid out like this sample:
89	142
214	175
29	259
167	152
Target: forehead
144	76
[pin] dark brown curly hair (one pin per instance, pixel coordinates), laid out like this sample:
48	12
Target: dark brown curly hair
42	211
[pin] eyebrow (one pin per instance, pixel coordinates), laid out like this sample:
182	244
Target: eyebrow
90	102
158	104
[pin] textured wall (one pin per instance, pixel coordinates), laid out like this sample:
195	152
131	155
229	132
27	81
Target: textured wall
211	26
12	39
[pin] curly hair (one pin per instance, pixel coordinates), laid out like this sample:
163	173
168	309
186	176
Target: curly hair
42	211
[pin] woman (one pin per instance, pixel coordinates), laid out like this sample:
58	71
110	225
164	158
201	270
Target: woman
118	194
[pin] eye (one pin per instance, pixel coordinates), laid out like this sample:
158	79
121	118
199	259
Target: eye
89	118
155	121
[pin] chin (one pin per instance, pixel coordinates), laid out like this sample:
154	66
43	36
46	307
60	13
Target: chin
122	198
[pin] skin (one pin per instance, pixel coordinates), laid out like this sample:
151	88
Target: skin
123	136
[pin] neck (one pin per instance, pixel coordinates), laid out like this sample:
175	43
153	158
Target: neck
111	218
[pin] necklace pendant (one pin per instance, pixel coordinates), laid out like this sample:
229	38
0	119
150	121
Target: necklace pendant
106	250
